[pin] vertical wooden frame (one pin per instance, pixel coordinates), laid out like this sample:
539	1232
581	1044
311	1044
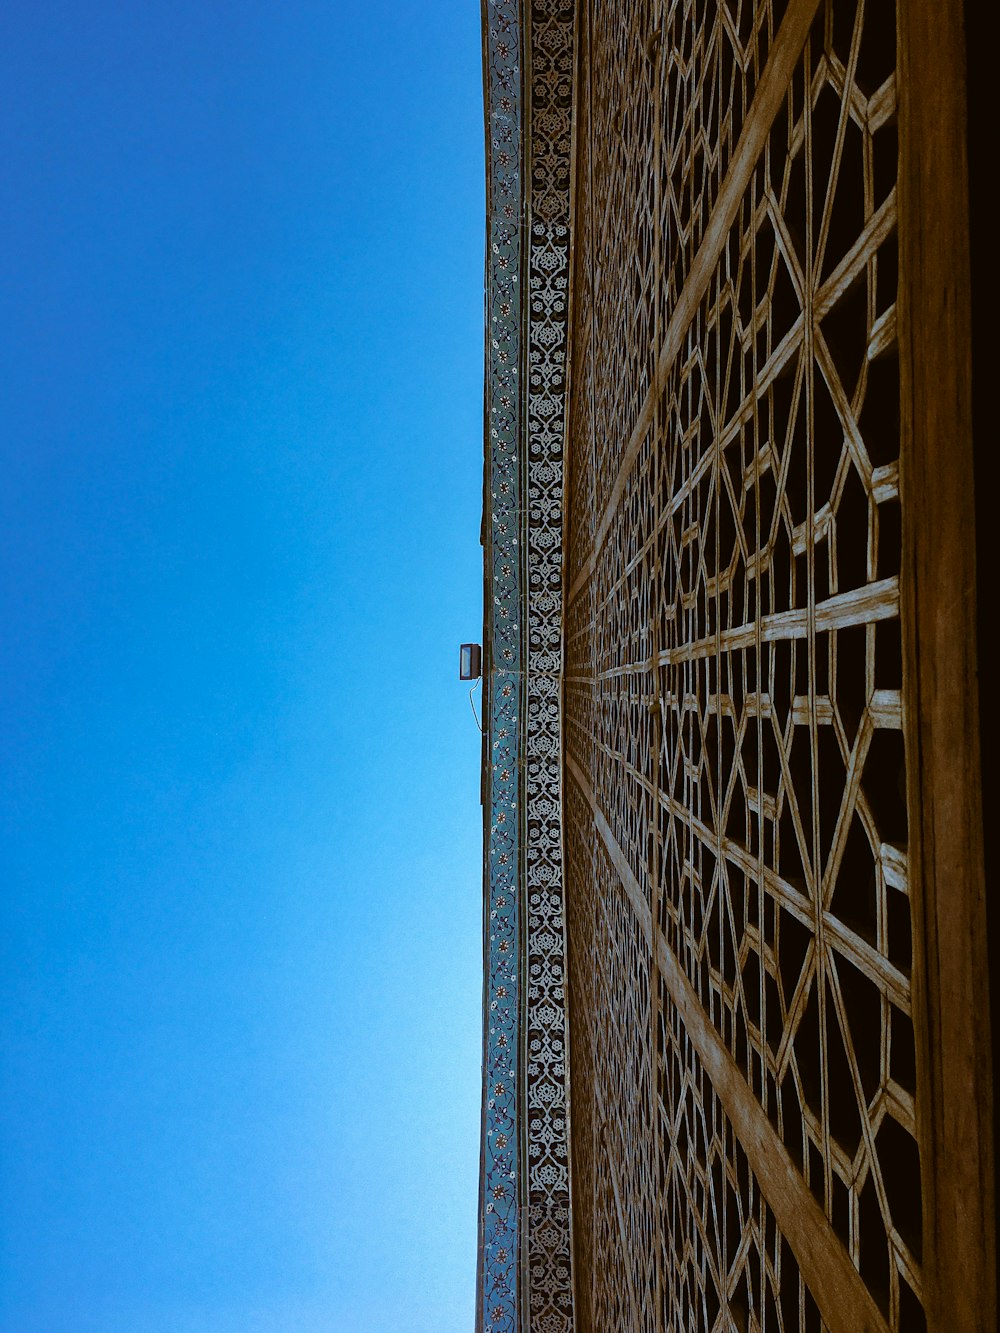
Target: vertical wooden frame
951	980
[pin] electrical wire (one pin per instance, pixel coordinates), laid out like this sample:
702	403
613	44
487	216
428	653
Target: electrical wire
472	703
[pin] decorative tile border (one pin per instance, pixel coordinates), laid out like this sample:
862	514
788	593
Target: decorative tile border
525	1258
548	1249
500	1233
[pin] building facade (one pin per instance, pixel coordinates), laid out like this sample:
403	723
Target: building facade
737	1053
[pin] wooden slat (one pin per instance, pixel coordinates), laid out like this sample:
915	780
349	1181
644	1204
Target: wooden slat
637	899
890	980
951	988
843	1299
770	93
858	606
619	1210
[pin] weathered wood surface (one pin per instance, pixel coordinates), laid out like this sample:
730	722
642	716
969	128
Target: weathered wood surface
951	979
774	876
844	1302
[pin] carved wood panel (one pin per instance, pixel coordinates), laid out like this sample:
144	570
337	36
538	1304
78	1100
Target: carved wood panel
746	1148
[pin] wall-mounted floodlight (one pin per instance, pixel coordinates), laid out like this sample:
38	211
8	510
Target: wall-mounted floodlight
470	661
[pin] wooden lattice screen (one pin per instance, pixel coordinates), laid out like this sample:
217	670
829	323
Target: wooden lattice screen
731	767
778	1020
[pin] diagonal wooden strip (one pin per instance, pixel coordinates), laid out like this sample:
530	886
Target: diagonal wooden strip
619	1210
843	1299
771	91
852	946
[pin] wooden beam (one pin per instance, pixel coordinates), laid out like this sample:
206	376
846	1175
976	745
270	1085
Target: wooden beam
940	705
770	93
619	1210
843	1299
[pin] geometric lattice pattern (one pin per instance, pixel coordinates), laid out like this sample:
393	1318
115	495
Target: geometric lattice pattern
736	819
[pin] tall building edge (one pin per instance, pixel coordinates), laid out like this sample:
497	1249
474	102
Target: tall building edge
733	657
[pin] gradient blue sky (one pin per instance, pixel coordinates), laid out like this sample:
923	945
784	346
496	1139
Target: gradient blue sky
241	426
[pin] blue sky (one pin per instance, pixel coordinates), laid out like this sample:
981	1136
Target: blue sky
241	256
